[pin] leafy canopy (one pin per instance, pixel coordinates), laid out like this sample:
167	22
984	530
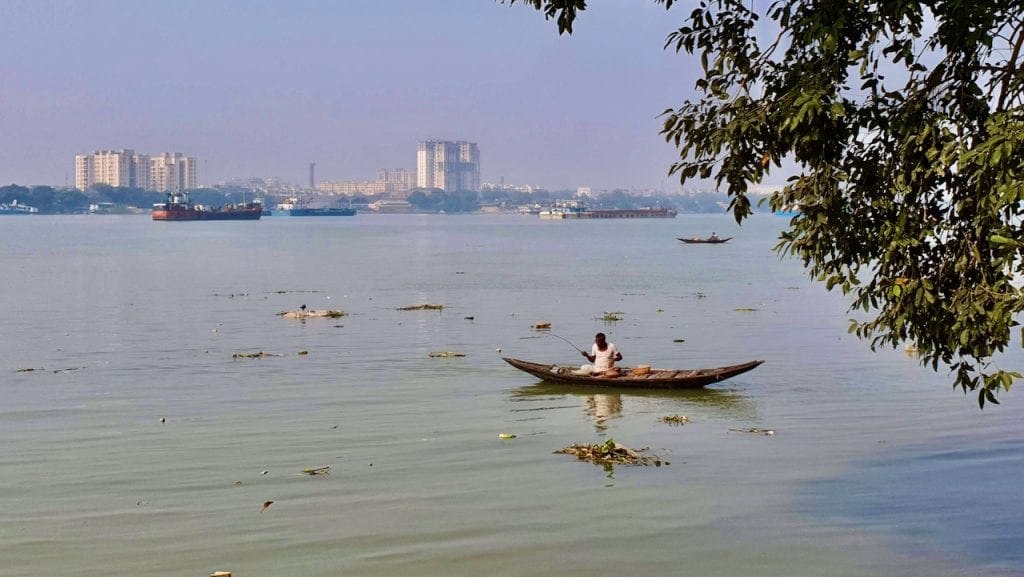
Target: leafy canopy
904	119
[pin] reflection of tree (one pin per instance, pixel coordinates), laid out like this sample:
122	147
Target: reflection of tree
603	407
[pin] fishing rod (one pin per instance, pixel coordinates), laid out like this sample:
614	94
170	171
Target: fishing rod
550	334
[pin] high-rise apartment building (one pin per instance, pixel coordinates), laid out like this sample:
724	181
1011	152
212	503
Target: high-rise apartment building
168	172
448	165
113	167
172	172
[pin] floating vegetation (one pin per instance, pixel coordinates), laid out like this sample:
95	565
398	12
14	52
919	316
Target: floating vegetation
612	317
611	453
507	436
303	353
542	326
745	310
303	314
66	370
284	292
468	318
700	295
445	354
423	307
28	370
755	430
258	355
675	419
230	295
318	470
660	310
678	340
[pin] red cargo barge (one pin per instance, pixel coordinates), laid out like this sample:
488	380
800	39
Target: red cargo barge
179	207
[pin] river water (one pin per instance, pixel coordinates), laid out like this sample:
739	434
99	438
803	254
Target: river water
876	467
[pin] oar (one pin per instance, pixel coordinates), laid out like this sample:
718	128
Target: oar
566	340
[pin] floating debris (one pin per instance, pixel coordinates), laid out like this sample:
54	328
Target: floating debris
678	340
284	292
612	317
318	470
445	354
163	419
258	355
660	310
700	295
507	436
468	318
611	453
300	314
745	310
266	505
66	370
755	430
28	370
675	419
303	353
542	326
424	307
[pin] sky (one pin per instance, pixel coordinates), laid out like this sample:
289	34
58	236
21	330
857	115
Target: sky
263	88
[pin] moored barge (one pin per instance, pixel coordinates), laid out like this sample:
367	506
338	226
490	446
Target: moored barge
179	207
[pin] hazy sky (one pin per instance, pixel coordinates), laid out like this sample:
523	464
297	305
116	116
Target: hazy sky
260	88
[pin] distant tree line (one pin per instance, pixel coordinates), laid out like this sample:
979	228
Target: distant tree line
436	200
46	198
441	201
51	200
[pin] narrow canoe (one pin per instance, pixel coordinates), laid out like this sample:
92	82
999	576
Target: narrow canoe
656	379
705	240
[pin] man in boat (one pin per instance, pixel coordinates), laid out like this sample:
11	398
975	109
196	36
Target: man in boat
714	236
604	355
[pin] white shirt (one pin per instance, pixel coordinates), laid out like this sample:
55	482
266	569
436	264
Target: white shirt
603	359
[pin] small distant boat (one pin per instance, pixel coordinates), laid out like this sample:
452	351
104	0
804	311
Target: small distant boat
179	207
632	378
570	209
709	240
17	209
295	207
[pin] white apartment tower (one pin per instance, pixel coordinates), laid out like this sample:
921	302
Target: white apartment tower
172	172
448	165
113	167
168	172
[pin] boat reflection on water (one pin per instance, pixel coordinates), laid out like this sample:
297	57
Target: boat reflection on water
603	403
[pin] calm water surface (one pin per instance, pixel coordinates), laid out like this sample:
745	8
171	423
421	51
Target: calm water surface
876	468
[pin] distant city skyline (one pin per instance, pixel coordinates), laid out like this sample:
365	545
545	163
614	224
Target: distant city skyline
267	88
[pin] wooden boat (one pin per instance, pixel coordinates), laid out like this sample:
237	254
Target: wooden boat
708	240
655	379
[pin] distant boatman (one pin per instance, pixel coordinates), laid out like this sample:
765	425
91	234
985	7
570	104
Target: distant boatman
604	355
